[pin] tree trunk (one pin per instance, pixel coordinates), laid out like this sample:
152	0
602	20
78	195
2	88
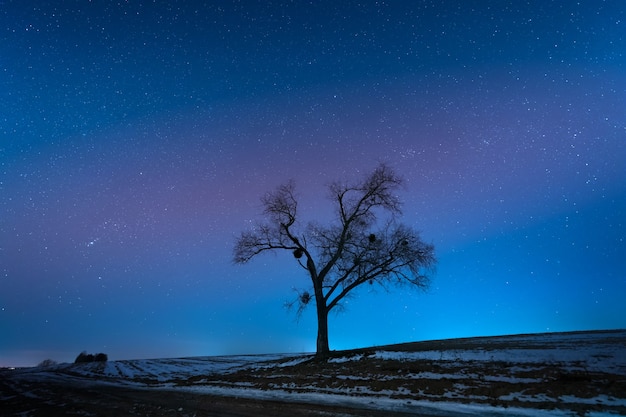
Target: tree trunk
322	329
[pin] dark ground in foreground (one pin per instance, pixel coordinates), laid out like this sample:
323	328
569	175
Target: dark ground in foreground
101	400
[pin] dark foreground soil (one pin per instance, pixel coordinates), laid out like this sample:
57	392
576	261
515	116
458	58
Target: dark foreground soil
60	399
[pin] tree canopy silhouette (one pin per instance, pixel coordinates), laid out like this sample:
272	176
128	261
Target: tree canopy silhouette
364	244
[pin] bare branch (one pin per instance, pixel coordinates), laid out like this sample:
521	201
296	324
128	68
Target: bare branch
281	205
354	250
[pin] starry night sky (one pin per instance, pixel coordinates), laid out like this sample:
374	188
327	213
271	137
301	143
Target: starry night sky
137	137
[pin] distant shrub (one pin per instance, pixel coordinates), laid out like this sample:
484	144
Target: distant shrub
46	363
85	357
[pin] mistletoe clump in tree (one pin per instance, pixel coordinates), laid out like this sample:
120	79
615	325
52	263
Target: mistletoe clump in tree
364	244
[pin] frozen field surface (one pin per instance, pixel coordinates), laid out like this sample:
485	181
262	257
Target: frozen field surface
552	374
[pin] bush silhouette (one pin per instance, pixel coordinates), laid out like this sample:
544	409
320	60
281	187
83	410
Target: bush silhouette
85	357
46	363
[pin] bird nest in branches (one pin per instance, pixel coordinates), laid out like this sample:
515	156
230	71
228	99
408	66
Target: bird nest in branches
305	298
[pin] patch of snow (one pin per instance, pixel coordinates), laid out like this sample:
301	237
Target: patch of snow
293	362
510	379
600	399
162	370
594	358
381	402
535	398
353	377
345	359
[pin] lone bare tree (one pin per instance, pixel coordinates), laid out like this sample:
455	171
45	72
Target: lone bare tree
365	243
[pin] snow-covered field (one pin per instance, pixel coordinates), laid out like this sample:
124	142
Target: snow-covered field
559	374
